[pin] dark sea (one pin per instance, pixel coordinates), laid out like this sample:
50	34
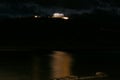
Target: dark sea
32	66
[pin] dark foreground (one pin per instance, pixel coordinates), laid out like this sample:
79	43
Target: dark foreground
93	42
90	32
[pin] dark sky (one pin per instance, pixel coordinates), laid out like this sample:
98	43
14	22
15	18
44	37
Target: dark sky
47	7
70	3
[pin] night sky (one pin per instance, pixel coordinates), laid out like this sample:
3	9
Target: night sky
16	8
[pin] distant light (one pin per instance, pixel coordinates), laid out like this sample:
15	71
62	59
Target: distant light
36	16
58	15
66	18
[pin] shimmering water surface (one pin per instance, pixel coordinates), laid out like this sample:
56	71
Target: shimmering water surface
57	64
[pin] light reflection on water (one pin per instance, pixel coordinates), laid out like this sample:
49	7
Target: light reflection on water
44	67
60	64
56	65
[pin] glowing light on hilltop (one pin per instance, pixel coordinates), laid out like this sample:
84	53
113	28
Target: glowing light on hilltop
60	15
65	18
36	16
61	64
